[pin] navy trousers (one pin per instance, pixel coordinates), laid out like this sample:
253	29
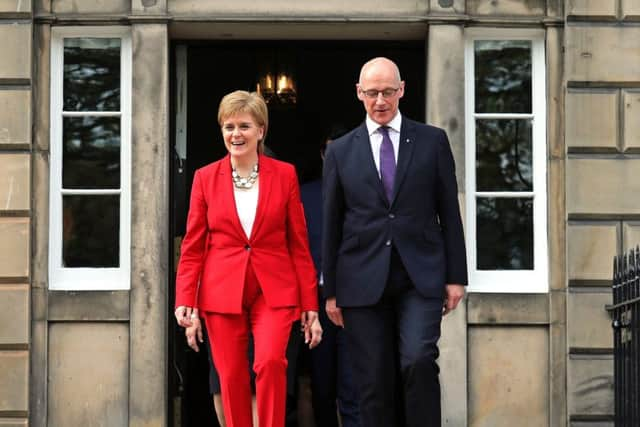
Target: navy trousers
399	334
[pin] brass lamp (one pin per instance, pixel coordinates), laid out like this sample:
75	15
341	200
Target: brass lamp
276	83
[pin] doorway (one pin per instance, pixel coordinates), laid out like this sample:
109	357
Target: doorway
325	73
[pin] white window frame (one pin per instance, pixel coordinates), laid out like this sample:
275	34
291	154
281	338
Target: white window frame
66	278
509	281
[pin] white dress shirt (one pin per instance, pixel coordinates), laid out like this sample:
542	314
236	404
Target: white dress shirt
246	206
375	137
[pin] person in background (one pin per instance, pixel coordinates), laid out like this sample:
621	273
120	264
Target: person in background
245	264
331	373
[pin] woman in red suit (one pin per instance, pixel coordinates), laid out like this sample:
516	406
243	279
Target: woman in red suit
245	263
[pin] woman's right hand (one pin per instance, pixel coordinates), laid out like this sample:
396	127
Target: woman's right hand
194	334
185	315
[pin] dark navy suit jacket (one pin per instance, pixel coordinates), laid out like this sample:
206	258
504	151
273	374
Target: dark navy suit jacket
422	221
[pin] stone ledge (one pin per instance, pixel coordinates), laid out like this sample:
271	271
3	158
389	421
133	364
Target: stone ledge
107	306
507	309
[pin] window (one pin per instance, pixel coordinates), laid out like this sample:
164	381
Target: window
506	206
90	163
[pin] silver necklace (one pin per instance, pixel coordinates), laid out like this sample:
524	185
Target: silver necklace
243	182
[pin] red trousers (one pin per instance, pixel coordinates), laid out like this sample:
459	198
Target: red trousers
228	335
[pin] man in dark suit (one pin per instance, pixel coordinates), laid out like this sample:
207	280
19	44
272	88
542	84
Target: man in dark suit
393	250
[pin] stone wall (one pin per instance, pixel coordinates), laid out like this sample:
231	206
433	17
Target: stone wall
99	357
15	210
602	104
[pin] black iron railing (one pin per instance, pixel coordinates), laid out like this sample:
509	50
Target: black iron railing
626	338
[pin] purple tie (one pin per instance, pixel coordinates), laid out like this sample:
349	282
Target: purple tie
387	162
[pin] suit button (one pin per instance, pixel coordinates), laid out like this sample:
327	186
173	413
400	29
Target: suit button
388	242
247	247
392	216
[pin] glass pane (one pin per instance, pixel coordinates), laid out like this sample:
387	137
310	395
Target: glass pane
91	152
91	231
504	231
91	74
503	155
503	76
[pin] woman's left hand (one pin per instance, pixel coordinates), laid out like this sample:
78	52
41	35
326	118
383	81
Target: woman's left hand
311	328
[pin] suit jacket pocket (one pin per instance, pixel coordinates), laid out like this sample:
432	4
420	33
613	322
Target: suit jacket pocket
349	243
433	235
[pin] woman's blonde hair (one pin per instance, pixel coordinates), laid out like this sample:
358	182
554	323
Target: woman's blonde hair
241	101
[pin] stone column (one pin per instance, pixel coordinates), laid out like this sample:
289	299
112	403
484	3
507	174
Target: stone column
445	109
150	226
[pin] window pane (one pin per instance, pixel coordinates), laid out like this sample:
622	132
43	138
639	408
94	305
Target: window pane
91	74
504	231
503	155
91	152
503	76
91	231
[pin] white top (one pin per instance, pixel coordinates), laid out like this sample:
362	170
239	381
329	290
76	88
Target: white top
375	137
246	205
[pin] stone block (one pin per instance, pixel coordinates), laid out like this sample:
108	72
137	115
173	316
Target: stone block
42	6
88	374
15	6
446	6
14	314
555	9
88	305
630	235
590	385
557	225
631	124
299	8
598	423
15	115
592	119
508	376
16	40
588	323
149	6
14	380
600	8
14	422
14	247
14	182
453	367
555	92
602	54
507	308
630	9
558	358
591	247
506	7
42	86
95	6
603	186
445	101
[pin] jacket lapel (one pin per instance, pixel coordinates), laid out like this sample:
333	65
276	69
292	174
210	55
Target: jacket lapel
362	143
229	199
405	151
265	182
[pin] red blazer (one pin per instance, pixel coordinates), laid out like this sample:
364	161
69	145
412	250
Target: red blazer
215	250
